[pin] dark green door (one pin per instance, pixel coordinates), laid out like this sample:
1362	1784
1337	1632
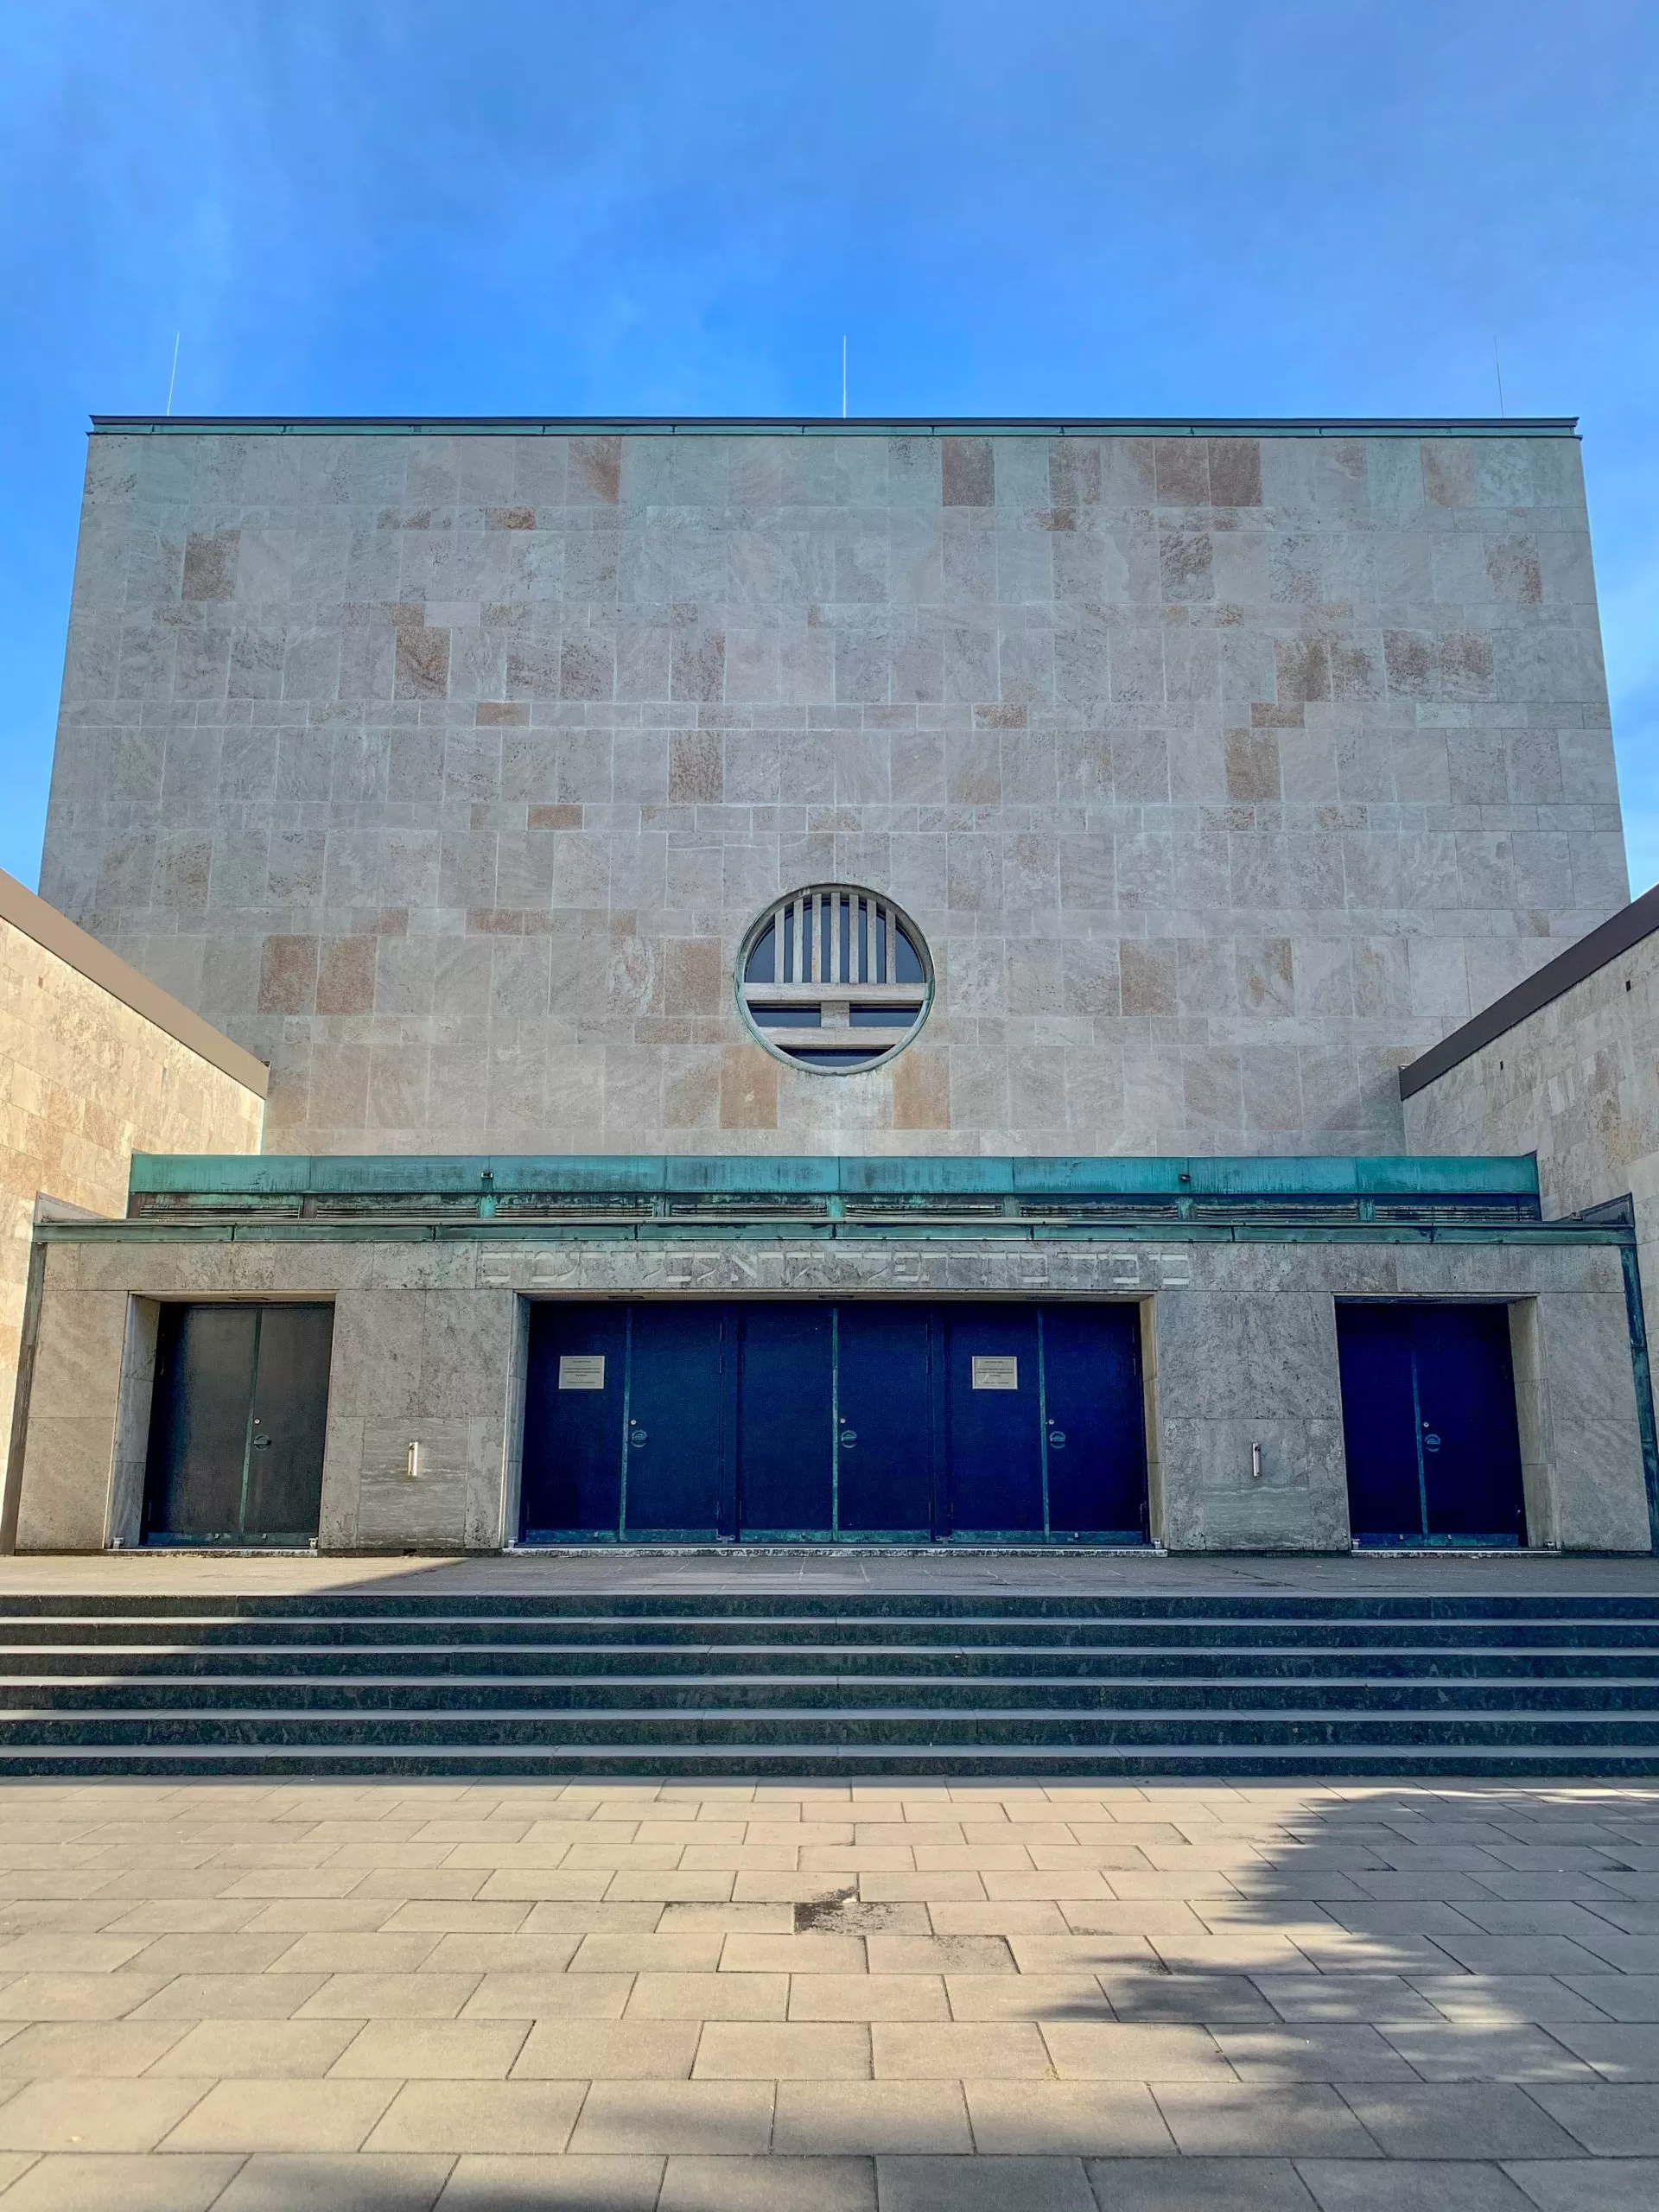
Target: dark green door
238	1424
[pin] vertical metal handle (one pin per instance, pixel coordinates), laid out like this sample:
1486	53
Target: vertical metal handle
1256	1463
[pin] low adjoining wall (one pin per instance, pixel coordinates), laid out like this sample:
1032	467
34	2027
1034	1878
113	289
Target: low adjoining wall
1576	1081
1240	1341
95	1064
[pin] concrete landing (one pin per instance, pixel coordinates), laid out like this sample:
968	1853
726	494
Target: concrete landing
1009	1574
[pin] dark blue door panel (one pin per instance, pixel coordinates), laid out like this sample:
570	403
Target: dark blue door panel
866	1420
573	1430
1379	1424
677	1431
887	1427
785	1447
1094	1422
993	1418
1429	1424
1471	1440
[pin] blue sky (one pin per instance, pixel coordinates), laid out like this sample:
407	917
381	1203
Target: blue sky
1023	207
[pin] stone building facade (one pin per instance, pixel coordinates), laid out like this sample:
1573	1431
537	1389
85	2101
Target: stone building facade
1224	767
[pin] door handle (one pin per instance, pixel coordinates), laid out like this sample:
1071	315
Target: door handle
261	1443
636	1437
848	1437
1056	1440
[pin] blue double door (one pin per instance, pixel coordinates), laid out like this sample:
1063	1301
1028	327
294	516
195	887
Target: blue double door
1429	1424
866	1421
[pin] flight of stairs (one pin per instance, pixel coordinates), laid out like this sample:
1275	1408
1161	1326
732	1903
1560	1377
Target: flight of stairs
749	1686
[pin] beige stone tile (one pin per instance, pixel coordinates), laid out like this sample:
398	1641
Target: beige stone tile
520	1953
291	1882
1066	2119
554	1917
478	2116
289	2114
344	2182
228	1997
1081	1953
339	1951
113	2181
931	1886
470	2050
316	1916
102	2047
118	2115
868	1997
457	1916
1038	1918
671	1886
899	2118
395	1885
809	1953
958	2049
390	1996
688	1952
75	1996
1025	1997
622	2050
1223	2119
939	1954
250	2049
1116	2051
554	1996
768	2185
709	1997
208	1953
779	2051
540	1884
185	1917
484	2182
732	2119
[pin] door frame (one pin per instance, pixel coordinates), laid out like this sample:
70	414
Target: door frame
1536	1489
130	1457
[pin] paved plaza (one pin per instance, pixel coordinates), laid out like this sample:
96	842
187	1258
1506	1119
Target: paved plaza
255	1995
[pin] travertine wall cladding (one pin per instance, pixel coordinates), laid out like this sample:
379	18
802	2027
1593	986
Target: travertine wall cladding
85	1080
1577	1082
1223	774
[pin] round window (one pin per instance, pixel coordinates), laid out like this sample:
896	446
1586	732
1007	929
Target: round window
834	979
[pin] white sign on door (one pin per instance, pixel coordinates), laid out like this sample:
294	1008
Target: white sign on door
581	1370
995	1372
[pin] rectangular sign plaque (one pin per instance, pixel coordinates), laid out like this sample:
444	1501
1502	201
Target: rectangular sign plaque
581	1370
995	1372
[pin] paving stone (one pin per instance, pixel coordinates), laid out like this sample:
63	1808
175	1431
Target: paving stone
982	2184
432	2050
113	2181
1070	2118
1581	2185
250	2049
939	1954
796	2051
228	1996
68	2113
527	2184
694	2184
1462	2051
559	1996
1004	2048
75	1996
1410	2185
484	1953
1507	1999
387	1996
1200	2185
870	1997
103	2047
1616	2120
1488	2119
802	1955
494	2116
820	2117
730	2118
298	2115
685	1952
709	1997
609	2050
1213	1999
342	2184
1230	2120
1338	2052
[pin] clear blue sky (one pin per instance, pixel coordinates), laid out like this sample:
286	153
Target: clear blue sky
1024	206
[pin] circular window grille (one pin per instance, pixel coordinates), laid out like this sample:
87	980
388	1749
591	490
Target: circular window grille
834	979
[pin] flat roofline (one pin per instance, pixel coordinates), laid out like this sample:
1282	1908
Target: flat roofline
56	934
832	426
306	1174
1603	944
